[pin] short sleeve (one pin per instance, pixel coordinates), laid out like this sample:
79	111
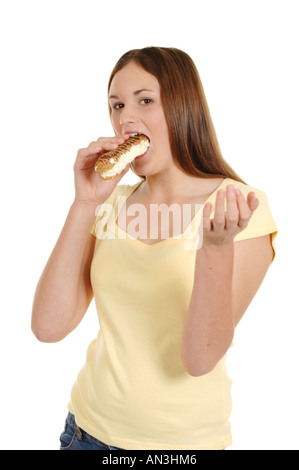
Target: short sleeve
261	222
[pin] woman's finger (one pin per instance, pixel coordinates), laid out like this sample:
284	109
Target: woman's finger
253	201
244	210
232	214
219	216
206	214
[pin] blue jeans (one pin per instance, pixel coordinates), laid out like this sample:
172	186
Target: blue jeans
74	438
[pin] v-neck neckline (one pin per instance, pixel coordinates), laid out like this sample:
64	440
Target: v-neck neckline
128	237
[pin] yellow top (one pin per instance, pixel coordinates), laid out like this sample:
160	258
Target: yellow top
133	391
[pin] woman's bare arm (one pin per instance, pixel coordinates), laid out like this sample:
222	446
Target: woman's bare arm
227	276
64	291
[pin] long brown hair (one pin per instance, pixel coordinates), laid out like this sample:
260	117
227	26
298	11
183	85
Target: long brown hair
192	136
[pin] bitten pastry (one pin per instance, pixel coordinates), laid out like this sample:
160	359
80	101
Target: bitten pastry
112	163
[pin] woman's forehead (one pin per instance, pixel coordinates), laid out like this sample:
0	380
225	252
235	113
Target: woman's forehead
133	78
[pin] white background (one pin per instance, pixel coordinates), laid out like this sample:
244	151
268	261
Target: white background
56	57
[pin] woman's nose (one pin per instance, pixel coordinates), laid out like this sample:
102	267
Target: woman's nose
127	116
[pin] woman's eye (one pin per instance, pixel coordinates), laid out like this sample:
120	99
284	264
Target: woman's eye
121	105
146	101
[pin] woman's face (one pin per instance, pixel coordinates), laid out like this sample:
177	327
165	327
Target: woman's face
134	97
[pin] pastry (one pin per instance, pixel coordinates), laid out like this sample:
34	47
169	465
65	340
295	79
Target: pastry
112	163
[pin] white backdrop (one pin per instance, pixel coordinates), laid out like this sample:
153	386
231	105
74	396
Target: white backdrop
56	57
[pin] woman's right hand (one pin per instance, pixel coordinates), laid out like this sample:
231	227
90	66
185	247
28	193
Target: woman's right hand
89	187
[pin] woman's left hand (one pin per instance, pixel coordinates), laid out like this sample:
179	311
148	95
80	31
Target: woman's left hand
226	225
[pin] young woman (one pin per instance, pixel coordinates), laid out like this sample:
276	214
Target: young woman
155	377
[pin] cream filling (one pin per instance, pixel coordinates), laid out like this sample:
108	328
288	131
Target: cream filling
126	158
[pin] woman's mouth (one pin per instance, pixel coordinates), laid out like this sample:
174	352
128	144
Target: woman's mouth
140	156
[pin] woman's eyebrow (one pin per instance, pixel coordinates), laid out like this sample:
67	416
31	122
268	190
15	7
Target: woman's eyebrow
135	93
